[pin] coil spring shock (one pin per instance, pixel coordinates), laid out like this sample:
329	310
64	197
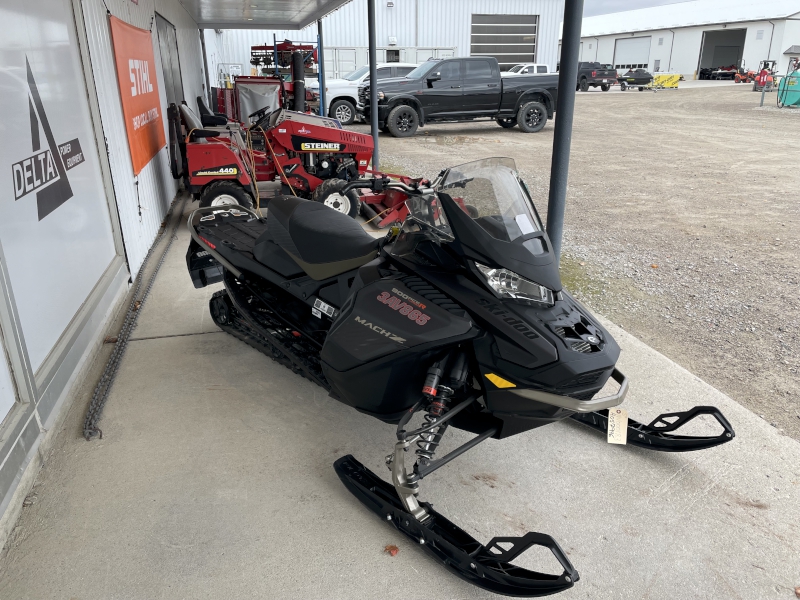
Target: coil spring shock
426	446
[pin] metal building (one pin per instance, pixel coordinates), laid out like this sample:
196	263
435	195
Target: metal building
689	36
411	31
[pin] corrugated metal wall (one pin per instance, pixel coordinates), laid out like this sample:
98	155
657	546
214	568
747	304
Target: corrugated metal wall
142	201
421	23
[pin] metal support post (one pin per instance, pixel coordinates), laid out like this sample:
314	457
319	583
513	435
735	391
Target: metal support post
373	82
323	107
565	108
212	102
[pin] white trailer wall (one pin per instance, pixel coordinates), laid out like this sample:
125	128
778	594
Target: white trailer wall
63	268
61	257
142	201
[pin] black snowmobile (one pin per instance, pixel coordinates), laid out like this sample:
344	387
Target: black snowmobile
457	319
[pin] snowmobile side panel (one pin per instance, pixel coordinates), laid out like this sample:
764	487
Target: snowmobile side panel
387	317
377	351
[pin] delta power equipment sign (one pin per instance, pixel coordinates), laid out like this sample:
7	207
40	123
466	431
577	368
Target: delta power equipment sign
138	88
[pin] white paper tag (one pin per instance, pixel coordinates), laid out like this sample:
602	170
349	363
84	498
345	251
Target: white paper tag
617	426
316	313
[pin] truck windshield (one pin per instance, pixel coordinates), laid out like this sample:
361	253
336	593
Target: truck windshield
420	71
357	74
515	68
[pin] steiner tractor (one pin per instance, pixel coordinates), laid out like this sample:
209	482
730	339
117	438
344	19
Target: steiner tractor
282	152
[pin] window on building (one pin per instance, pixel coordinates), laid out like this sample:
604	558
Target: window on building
657	65
590	46
660	41
760	34
393	56
511	39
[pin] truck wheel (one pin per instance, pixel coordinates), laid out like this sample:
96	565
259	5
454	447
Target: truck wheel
584	85
506	122
622	86
532	117
605	87
402	121
343	111
221	193
329	193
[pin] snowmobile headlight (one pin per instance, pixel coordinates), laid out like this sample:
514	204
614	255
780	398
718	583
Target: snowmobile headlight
510	285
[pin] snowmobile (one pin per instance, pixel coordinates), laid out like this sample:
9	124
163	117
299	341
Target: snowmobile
457	319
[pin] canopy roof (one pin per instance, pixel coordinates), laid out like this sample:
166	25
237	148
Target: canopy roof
259	14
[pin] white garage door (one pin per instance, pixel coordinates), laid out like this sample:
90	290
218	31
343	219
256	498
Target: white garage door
632	53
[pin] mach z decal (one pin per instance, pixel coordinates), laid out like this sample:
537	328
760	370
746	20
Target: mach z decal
45	171
381	330
403	308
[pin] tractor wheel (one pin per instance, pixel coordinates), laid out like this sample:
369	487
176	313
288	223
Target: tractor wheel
605	87
584	85
506	122
402	121
329	193
532	117
343	111
222	193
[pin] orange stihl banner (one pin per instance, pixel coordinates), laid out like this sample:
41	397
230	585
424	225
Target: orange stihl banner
138	87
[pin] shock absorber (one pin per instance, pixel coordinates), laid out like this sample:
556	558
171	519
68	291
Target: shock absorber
438	396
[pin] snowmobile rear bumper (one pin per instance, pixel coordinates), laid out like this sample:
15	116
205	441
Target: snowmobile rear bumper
486	566
658	434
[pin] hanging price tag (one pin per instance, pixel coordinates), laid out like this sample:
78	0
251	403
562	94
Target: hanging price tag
617	426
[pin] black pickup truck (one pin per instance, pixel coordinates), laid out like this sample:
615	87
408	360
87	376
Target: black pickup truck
592	74
461	89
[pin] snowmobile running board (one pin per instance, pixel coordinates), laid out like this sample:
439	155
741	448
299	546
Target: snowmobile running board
657	435
486	566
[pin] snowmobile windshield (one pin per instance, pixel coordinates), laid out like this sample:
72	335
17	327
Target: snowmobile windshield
490	192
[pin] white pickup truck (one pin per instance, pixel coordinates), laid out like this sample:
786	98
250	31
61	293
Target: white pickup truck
341	95
526	69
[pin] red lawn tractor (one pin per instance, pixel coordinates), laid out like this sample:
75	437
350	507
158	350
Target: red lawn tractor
281	152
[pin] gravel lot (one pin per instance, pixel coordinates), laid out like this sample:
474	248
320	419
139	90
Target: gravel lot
682	226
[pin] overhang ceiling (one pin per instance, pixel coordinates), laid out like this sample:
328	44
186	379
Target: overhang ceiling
259	14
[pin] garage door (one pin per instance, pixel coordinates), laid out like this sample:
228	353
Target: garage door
511	39
632	53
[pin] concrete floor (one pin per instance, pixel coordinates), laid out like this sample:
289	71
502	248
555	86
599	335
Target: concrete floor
214	479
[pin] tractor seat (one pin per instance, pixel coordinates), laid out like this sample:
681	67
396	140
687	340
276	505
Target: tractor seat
207	118
322	241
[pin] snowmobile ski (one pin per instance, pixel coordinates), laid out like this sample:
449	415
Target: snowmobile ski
658	434
486	566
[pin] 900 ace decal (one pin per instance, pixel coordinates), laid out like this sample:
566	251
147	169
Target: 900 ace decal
404	308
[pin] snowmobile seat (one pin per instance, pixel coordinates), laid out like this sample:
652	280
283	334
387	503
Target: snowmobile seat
323	242
207	118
